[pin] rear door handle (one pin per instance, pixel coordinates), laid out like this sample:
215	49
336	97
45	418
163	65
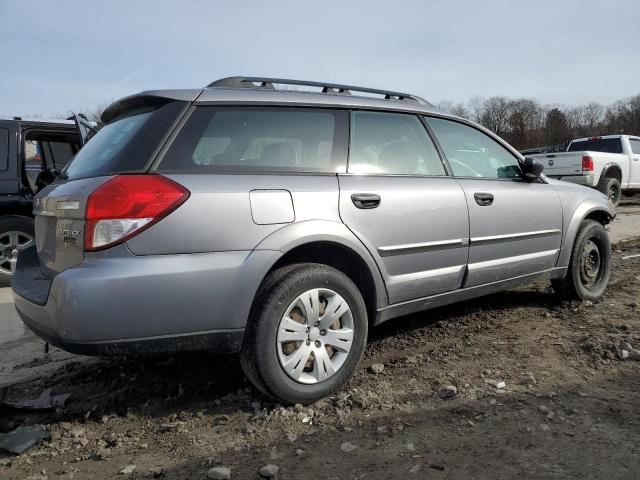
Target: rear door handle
483	199
365	200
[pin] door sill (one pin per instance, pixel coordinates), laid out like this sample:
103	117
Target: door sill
460	295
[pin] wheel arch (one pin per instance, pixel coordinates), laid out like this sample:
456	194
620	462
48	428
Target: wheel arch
333	244
612	170
587	210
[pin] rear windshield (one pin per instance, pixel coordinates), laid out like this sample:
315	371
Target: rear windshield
608	145
125	144
258	139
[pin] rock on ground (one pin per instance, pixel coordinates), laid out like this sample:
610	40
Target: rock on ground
347	447
448	393
128	470
219	473
377	368
269	471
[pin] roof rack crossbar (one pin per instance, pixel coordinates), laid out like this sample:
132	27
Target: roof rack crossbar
334	88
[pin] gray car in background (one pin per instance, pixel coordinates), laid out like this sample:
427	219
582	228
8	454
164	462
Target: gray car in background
282	224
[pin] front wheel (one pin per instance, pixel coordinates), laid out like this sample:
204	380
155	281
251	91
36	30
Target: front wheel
589	266
306	333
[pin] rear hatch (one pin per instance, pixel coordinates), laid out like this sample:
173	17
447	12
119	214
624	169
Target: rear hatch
559	164
127	144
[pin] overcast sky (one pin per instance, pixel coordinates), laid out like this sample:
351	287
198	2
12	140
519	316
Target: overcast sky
61	55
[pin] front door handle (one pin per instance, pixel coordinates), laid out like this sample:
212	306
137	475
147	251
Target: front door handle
483	199
365	200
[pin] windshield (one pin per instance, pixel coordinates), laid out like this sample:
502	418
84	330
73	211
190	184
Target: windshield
608	145
125	144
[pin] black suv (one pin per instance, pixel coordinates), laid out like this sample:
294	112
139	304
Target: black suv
31	154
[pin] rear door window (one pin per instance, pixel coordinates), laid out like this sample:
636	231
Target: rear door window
126	144
635	145
607	145
391	143
4	149
258	139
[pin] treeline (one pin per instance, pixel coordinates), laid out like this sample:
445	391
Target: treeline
527	123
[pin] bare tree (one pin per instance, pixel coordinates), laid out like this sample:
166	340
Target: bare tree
593	114
496	114
526	123
455	109
476	107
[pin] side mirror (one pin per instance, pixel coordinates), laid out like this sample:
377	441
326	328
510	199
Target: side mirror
532	168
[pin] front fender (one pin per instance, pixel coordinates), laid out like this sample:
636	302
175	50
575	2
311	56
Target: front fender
582	211
297	234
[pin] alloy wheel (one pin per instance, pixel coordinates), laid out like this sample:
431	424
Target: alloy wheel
10	242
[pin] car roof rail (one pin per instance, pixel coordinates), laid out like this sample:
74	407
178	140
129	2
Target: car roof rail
333	88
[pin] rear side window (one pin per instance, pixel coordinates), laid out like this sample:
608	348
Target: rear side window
258	139
635	145
125	144
4	149
472	153
391	143
608	145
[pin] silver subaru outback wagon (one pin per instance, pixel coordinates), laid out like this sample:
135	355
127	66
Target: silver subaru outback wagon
281	224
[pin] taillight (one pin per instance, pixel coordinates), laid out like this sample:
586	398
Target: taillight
126	205
587	163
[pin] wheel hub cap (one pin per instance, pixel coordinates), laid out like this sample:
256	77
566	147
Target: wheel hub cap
315	336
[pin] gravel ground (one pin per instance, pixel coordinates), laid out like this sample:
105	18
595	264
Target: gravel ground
515	385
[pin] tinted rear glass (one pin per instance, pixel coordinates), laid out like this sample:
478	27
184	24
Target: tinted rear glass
4	149
258	139
608	145
125	144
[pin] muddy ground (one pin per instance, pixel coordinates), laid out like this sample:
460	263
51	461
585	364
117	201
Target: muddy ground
570	409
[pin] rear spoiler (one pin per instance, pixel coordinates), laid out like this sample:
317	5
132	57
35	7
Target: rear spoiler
144	99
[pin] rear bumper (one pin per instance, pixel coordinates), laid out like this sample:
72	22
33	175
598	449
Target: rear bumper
587	180
221	341
117	303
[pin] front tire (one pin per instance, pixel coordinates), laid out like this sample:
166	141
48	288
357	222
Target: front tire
589	266
306	333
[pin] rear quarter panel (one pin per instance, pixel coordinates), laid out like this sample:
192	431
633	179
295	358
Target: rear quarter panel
218	215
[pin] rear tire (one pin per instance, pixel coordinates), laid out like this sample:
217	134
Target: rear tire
611	187
16	233
589	266
331	351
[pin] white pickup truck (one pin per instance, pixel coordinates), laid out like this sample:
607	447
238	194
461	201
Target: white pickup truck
610	163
